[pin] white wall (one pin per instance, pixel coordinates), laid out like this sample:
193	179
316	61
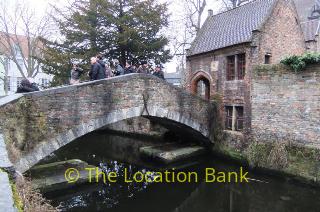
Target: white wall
15	77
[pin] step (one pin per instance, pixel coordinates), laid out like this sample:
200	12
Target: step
170	153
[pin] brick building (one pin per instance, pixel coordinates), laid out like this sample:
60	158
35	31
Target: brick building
228	46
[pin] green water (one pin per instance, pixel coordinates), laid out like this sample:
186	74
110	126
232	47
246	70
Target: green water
261	194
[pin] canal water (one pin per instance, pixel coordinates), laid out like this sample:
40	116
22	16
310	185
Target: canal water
118	153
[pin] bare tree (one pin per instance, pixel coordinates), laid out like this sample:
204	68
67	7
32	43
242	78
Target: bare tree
4	72
194	11
20	33
230	4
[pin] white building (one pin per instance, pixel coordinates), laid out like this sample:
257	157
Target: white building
14	76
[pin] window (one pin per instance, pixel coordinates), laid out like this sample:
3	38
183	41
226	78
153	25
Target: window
267	59
241	66
229	112
236	67
234	119
239	119
20	62
19	79
17	50
7	64
9	83
44	82
231	68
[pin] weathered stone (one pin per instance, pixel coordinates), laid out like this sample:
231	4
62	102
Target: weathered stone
170	153
6	197
51	177
60	115
4	160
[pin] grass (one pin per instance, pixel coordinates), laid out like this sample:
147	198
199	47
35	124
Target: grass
28	199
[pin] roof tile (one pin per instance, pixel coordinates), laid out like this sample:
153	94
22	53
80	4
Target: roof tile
231	27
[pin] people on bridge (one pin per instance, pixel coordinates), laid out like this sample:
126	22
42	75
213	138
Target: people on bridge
97	72
76	72
109	72
144	68
100	61
27	85
101	69
118	68
129	68
158	72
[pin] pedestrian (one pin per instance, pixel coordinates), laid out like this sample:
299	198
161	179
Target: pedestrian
128	69
100	61
96	72
108	70
158	72
118	68
27	85
144	68
134	68
76	72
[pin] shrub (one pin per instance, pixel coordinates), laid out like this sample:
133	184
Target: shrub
299	63
31	200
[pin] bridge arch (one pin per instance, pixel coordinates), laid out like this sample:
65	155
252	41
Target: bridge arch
46	148
58	116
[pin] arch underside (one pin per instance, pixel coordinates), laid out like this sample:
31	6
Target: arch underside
174	120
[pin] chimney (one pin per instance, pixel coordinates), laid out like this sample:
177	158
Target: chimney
210	12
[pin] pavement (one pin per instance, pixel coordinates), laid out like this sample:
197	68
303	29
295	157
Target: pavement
6	196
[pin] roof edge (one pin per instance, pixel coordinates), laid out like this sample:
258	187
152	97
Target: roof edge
212	51
268	16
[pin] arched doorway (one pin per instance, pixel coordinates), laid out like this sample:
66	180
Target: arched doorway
201	86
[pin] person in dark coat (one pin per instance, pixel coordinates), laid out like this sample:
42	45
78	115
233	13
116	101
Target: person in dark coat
26	86
100	61
144	68
96	72
158	72
128	69
118	68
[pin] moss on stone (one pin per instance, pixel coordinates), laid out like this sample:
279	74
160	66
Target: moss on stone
270	68
301	163
231	153
16	198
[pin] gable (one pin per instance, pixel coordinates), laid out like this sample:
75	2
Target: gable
231	27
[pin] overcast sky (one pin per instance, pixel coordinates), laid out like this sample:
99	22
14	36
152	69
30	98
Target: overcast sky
175	9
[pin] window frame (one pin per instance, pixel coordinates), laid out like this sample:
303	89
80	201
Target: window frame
234	118
236	67
231	75
228	117
267	58
241	66
239	119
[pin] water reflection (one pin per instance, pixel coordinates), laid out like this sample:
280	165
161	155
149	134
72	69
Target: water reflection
264	194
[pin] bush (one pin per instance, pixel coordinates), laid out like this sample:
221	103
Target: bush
31	200
299	63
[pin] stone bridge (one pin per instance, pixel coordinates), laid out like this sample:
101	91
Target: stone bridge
36	124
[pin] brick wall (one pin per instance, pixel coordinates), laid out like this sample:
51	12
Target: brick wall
286	105
281	35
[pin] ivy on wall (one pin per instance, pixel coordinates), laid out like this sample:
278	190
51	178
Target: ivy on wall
299	63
